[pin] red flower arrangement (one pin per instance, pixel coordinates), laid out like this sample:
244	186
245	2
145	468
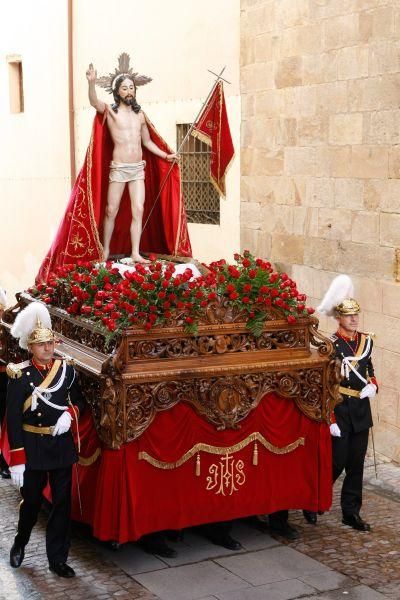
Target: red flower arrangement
153	295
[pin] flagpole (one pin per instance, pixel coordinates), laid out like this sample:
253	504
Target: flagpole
192	126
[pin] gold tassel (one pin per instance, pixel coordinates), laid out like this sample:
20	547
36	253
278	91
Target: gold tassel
198	464
255	454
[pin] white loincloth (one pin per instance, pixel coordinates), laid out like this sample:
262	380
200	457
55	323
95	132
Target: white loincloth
124	172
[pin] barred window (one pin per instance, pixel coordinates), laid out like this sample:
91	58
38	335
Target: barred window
201	197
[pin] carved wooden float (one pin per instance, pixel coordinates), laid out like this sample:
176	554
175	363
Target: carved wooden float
222	372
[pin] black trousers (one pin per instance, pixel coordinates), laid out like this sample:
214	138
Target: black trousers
3	394
348	453
278	518
58	534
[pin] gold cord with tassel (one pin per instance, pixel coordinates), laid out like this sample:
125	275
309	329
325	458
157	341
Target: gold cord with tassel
198	464
255	454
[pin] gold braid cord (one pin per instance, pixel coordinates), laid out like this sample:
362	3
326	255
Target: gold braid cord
253	437
86	462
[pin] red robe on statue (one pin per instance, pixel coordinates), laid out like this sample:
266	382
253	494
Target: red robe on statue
78	236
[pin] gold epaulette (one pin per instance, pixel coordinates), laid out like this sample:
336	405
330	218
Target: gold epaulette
13	371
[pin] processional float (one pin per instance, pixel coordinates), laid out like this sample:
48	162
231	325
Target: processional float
212	412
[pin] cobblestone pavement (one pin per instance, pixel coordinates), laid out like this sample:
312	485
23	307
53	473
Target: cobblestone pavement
350	562
96	577
370	558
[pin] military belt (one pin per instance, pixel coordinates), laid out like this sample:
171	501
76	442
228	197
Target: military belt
39	430
349	392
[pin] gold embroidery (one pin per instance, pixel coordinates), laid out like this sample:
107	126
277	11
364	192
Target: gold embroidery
225	476
256	436
86	462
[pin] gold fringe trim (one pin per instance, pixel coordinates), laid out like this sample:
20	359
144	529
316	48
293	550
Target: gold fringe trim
201	136
86	462
253	437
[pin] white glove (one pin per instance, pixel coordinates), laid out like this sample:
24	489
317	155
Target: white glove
369	391
334	429
17	475
63	424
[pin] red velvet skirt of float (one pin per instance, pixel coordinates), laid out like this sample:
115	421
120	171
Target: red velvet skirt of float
134	497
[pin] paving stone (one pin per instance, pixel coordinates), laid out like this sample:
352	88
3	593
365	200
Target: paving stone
190	554
34	580
372	559
331	580
349	561
281	590
359	592
132	559
251	538
191	582
274	564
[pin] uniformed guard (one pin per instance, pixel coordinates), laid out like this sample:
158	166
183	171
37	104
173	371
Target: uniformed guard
4	470
352	417
43	399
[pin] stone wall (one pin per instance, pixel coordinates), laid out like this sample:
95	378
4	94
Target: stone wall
320	151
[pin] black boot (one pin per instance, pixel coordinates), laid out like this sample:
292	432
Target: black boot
310	516
17	554
154	543
278	524
220	534
62	570
356	522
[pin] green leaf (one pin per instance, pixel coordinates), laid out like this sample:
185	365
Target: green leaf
256	324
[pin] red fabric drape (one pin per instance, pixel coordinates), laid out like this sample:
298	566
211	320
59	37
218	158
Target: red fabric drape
134	498
78	236
123	498
212	127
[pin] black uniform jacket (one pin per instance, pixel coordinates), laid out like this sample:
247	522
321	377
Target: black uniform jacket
41	451
354	413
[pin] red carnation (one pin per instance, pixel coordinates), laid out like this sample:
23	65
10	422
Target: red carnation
246	263
111	325
291	319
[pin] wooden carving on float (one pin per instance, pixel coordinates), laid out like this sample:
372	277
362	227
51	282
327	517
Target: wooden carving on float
223	372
